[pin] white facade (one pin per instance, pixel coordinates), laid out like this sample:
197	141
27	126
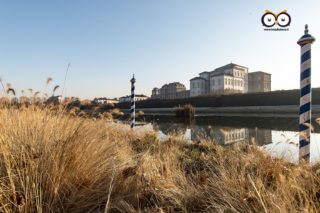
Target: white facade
227	79
205	75
230	80
216	83
197	86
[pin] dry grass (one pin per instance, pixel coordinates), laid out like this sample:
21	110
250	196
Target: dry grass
185	111
56	162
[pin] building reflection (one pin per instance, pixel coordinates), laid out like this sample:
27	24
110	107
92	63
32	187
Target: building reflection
220	134
230	135
260	136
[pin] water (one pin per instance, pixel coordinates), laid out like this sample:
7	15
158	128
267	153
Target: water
278	136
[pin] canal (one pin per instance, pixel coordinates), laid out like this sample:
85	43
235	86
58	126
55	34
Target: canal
277	136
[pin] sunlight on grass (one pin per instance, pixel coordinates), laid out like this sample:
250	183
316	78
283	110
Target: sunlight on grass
57	161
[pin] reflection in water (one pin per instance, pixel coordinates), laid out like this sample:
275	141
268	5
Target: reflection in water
230	135
260	136
222	135
279	137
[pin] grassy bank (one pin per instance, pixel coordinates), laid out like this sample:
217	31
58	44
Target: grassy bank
53	161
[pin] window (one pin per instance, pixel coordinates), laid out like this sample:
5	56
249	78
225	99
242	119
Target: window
213	82
219	81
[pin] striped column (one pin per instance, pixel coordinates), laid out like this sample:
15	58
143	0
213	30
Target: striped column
305	96
133	103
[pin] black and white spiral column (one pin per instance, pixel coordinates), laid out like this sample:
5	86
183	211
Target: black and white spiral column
305	96
133	103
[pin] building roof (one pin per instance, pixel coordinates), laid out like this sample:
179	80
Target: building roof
219	74
260	72
204	72
173	84
228	66
197	78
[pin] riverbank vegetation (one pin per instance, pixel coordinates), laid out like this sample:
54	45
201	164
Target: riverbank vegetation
185	111
52	160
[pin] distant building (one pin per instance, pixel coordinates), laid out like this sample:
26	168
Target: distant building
231	78
155	93
183	94
170	91
259	82
105	101
197	86
137	98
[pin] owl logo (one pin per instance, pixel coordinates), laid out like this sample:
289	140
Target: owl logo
269	19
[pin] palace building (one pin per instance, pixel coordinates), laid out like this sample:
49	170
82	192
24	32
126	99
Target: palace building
230	79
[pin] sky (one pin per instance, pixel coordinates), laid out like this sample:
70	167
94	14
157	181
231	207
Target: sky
160	41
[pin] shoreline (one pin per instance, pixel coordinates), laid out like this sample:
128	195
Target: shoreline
287	111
